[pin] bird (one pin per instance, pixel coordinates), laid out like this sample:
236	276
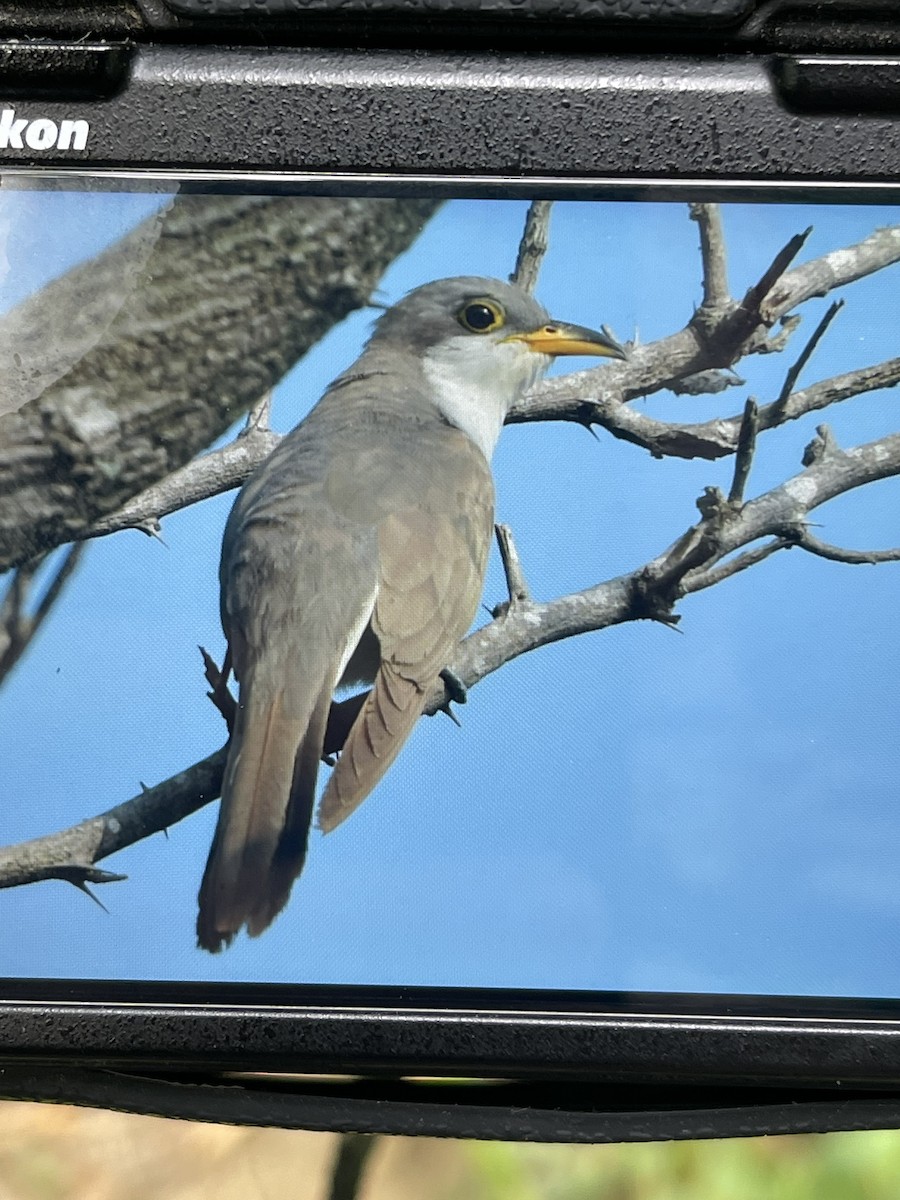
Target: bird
354	555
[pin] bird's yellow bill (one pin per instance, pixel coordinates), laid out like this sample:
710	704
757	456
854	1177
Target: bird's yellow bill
557	338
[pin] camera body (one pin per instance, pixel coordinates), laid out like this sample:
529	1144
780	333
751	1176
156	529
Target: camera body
719	91
654	99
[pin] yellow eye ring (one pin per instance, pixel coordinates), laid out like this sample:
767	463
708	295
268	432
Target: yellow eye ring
481	315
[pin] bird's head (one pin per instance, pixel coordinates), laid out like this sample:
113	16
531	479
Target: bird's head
473	310
481	344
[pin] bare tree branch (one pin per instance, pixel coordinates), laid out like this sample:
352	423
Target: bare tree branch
706	342
516	584
752	302
712	254
533	245
818	333
830	391
745	449
835	269
814	545
699	580
719	437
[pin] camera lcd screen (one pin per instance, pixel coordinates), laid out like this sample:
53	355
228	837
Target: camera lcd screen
674	759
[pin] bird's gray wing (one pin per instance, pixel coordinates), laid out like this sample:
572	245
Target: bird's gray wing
432	552
298	586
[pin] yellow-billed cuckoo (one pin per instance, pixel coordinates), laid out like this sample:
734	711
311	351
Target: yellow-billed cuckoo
356	554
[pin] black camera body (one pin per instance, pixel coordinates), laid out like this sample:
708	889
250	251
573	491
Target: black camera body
719	91
558	99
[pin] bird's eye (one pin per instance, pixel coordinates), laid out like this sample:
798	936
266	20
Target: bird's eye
481	316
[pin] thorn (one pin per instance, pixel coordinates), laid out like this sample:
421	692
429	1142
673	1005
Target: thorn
448	711
152	528
258	415
83	887
78	876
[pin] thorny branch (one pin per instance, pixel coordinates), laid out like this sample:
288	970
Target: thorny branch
731	535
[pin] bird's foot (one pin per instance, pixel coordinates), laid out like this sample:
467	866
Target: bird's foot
457	693
456	689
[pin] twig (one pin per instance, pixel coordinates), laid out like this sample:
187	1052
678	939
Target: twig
599	395
806	541
558	400
15	598
712	254
830	391
699	580
533	245
745	450
791	376
835	269
516	584
755	296
821	446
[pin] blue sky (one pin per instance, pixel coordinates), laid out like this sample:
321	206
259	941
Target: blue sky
708	810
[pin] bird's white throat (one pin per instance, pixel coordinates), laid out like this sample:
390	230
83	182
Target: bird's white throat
475	382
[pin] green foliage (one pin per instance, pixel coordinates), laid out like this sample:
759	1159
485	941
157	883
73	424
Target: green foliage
840	1166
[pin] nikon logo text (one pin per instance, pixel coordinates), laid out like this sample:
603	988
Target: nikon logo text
41	134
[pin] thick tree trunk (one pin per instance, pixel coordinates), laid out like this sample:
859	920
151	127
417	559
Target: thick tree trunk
123	369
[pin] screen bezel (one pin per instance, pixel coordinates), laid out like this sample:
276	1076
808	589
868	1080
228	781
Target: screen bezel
673	1038
783	1041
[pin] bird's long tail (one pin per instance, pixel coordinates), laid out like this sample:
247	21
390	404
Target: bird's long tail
268	793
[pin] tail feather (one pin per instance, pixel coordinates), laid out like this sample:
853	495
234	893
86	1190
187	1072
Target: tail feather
383	724
267	800
290	853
